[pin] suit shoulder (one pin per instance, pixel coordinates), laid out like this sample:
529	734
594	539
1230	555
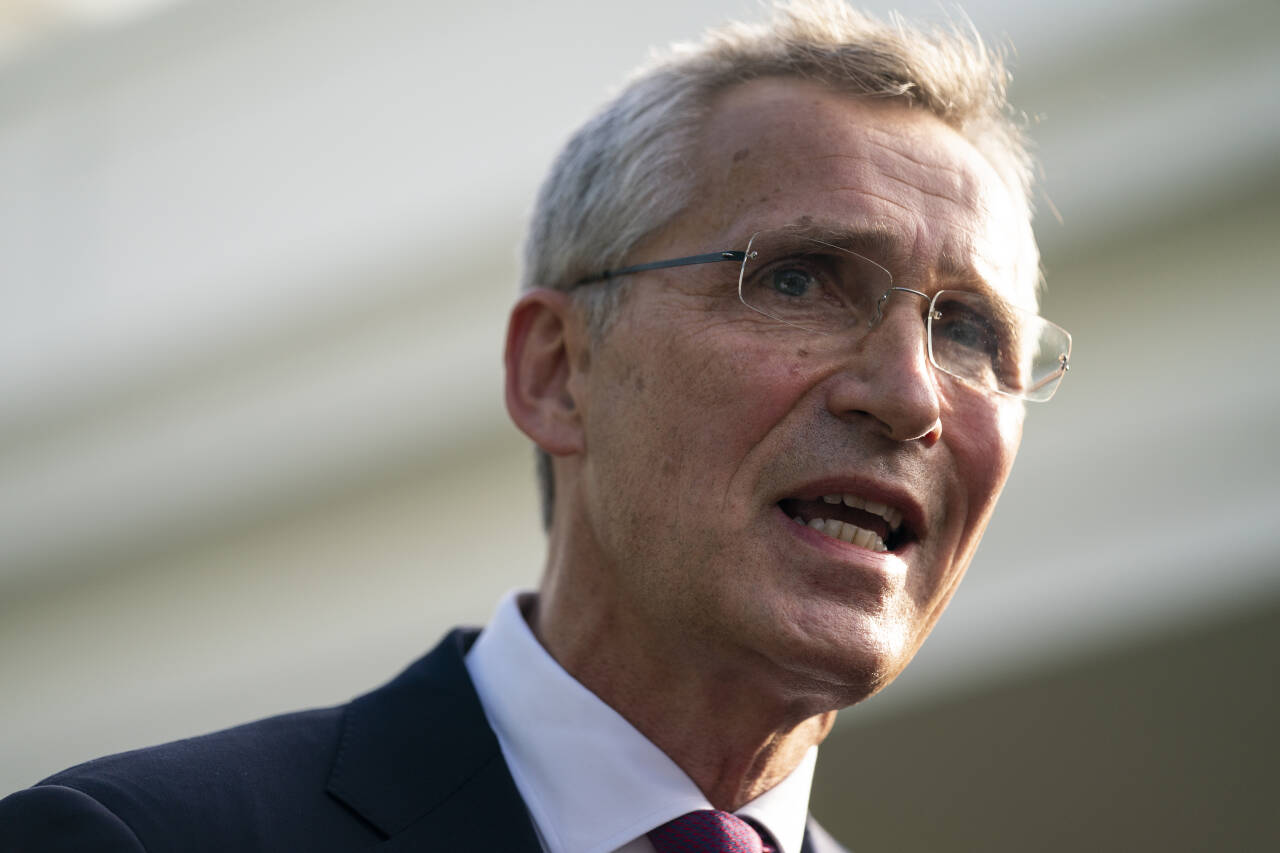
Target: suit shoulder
301	742
55	819
235	789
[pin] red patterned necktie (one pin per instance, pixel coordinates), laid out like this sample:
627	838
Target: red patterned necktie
708	831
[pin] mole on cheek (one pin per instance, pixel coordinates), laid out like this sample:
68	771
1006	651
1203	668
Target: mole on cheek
741	154
799	367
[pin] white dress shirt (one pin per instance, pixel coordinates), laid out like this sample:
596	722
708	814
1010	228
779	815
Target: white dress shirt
591	781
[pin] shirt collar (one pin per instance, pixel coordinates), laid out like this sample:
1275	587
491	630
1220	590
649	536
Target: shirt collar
591	781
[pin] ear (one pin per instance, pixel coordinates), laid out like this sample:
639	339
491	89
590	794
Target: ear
543	359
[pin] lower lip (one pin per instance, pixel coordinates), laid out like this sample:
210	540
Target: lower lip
846	551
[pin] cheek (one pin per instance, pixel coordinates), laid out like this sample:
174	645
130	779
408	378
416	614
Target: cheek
706	414
984	441
741	395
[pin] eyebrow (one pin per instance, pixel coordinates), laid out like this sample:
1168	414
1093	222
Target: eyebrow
872	242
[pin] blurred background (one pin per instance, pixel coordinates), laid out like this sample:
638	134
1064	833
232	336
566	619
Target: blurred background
255	257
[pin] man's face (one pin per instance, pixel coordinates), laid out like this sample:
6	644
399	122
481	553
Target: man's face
709	428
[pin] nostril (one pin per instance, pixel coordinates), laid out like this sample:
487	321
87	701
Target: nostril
928	436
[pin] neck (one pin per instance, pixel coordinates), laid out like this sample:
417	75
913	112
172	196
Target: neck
724	722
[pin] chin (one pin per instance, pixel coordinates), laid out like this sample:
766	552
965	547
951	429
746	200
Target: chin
845	662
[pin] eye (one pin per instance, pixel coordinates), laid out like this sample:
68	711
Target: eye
969	330
975	338
806	283
792	281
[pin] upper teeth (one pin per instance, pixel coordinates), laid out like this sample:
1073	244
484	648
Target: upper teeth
891	516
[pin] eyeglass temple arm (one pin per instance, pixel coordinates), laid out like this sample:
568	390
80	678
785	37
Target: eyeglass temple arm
1064	364
711	258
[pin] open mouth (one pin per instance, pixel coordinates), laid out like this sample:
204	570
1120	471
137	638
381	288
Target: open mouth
849	518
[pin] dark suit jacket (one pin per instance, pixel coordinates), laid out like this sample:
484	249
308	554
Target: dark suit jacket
412	766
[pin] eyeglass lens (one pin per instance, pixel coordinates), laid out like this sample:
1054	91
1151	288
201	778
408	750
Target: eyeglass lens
827	290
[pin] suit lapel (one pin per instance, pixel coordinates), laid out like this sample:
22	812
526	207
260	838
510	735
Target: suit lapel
418	761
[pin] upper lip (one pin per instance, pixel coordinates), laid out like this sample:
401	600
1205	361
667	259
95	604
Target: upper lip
894	496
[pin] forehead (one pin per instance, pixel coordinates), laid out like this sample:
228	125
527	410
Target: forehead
777	152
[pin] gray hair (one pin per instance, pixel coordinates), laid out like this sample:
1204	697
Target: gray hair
626	173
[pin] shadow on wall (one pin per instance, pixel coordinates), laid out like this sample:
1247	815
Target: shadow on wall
1169	746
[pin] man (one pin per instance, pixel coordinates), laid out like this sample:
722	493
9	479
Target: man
776	333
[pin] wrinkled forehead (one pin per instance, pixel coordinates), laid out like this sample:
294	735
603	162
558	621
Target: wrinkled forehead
775	152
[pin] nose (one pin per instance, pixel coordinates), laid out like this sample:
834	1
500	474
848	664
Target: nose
889	377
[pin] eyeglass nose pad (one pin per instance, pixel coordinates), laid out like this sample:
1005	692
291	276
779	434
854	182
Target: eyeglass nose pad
879	315
884	297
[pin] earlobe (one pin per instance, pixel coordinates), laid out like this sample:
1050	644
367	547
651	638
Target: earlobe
544	343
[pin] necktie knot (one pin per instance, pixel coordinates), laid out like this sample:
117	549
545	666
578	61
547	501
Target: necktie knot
708	831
